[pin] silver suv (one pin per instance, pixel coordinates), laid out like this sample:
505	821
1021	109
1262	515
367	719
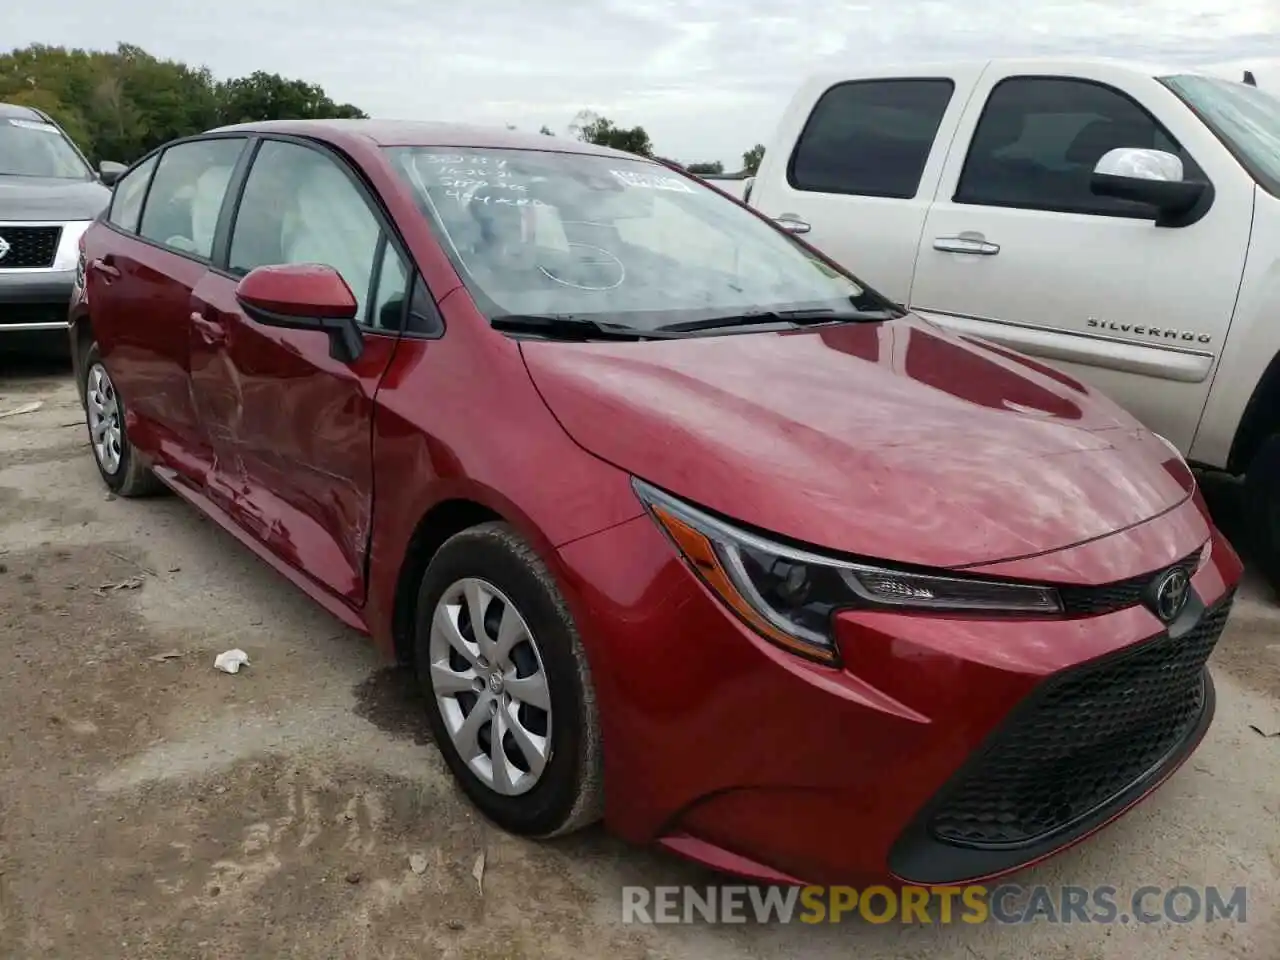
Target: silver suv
49	194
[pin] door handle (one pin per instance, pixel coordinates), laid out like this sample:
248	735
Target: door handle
104	268
211	331
792	223
973	244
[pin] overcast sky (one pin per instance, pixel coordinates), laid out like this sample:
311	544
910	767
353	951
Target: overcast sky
706	78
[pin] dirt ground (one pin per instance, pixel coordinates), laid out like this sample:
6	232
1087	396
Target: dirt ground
151	807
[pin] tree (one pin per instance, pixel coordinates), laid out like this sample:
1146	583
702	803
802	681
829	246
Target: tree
751	159
592	128
715	166
269	96
546	131
119	105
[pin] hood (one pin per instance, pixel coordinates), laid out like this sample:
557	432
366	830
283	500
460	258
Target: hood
41	198
892	440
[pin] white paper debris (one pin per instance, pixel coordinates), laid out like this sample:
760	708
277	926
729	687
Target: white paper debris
478	872
231	661
418	864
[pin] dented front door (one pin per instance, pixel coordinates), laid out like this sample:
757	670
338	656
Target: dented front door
291	433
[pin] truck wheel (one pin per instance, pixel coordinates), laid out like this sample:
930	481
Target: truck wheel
1262	509
122	469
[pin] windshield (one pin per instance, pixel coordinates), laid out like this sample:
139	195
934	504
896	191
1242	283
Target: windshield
611	240
1244	117
33	148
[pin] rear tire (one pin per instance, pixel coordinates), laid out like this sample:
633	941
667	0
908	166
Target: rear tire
542	778
122	469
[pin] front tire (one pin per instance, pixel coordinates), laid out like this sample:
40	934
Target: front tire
508	689
122	470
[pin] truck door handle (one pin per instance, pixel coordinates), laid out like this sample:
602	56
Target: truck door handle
104	268
792	223
973	244
211	331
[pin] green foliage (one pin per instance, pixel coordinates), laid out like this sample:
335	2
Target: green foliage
751	159
715	166
119	105
593	128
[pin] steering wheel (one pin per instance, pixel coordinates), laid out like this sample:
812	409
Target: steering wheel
597	257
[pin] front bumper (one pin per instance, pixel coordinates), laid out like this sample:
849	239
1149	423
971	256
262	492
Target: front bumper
35	300
726	749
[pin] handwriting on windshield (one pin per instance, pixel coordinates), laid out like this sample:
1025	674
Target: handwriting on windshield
470	178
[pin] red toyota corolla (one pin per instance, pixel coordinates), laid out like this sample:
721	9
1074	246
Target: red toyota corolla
678	523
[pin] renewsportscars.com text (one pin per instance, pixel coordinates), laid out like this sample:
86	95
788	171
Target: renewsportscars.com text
1005	904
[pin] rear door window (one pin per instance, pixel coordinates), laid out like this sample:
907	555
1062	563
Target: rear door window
126	199
870	138
190	182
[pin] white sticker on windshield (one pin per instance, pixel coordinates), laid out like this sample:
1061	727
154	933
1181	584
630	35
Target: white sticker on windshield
649	181
33	125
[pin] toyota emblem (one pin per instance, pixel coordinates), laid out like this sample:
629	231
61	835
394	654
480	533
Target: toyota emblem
1171	595
4	248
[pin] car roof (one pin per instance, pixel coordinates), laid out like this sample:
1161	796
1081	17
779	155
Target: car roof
421	133
16	111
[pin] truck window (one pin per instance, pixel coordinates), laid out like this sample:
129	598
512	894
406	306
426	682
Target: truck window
870	138
1039	138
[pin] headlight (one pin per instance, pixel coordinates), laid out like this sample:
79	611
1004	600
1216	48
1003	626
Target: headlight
69	244
788	595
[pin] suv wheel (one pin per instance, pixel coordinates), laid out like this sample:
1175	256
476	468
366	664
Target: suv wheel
122	469
508	691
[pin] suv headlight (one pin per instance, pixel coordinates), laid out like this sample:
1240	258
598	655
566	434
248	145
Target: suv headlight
789	595
69	244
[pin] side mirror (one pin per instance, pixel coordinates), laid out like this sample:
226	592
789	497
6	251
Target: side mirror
109	172
1152	177
304	296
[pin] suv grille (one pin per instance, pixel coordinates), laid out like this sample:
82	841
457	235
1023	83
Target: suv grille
1081	740
1090	601
28	246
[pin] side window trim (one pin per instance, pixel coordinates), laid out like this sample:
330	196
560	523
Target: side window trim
809	122
421	303
231	205
375	285
1112	212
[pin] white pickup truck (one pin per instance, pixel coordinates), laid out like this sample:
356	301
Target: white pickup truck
1117	220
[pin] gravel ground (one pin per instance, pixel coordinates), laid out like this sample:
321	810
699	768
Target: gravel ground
153	807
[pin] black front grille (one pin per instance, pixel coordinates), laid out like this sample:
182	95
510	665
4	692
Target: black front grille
12	314
1090	601
1081	740
28	246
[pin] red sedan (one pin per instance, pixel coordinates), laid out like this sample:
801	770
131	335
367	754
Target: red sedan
678	523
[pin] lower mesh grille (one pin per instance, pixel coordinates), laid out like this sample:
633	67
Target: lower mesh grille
1084	738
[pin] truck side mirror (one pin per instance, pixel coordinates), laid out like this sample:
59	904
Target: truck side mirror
1153	177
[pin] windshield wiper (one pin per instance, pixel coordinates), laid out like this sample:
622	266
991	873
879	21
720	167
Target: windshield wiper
798	318
562	326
